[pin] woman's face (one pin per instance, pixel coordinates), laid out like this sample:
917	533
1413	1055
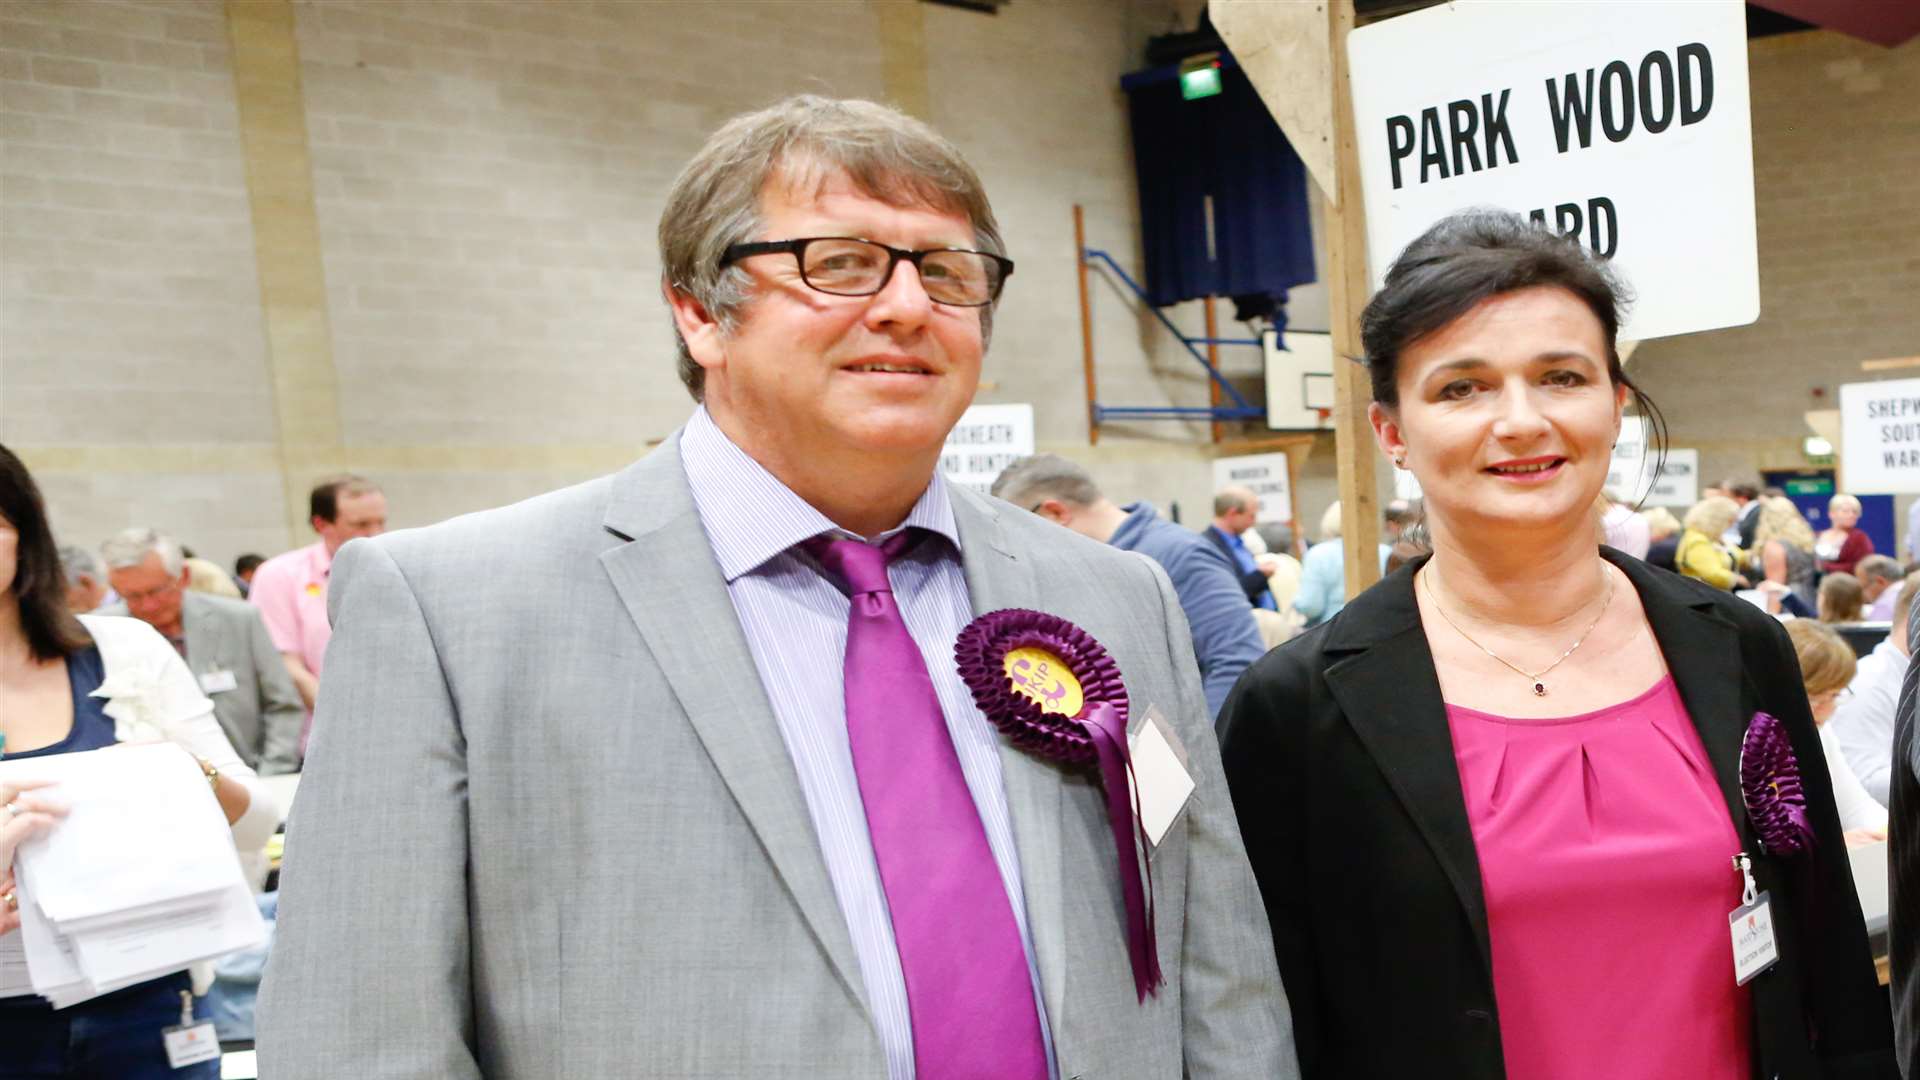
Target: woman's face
1507	416
1844	517
1824	704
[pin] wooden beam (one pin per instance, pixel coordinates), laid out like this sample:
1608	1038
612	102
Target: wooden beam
1213	360
1086	319
1347	266
1890	364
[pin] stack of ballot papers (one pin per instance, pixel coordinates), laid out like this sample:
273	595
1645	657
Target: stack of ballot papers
139	880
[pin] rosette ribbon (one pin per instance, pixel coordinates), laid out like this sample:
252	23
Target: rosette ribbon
1770	786
1053	691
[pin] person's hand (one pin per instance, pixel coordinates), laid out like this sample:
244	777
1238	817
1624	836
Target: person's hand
1740	582
1863	837
1268	565
23	815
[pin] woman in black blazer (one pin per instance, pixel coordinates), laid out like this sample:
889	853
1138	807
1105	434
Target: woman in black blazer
1420	879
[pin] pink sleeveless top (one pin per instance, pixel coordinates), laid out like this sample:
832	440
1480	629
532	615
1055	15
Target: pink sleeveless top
1606	858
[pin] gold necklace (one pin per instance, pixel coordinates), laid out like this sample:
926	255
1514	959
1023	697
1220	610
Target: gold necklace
1535	677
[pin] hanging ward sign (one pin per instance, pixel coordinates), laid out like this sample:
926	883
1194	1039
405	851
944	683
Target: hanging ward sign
1625	126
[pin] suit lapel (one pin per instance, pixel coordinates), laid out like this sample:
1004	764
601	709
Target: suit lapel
996	579
1702	651
674	591
1381	672
1385	683
202	633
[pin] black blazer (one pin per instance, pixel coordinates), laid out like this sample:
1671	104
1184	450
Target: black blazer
1341	765
1252	582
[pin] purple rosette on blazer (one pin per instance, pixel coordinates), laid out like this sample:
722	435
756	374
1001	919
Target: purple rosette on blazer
1053	691
1770	786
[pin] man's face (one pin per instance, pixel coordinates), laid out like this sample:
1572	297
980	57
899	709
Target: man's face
355	516
796	380
85	595
152	595
1239	519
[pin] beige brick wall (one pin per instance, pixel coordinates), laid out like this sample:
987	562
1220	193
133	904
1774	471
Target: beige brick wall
487	180
1836	146
129	304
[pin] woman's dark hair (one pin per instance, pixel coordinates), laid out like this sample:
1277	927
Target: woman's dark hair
38	583
1474	255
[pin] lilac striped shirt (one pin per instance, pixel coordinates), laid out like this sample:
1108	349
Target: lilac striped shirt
796	626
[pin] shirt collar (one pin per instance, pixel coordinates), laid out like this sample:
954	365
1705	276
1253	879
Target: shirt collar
750	516
319	561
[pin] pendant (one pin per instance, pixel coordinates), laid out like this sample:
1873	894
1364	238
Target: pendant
1539	689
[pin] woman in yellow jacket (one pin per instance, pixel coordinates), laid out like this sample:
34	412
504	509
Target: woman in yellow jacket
1701	555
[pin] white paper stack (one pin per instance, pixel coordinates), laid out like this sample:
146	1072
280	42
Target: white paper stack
139	880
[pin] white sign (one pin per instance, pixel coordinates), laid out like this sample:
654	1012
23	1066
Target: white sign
1679	481
1627	472
1266	474
1880	437
1630	478
987	439
1624	125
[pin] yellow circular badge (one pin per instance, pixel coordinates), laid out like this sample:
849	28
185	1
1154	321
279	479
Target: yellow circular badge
1044	677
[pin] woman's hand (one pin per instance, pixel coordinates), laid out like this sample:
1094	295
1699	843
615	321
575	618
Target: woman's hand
1863	837
23	815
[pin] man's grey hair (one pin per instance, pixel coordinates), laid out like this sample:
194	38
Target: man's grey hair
1229	499
1031	480
130	547
803	142
1877	566
77	562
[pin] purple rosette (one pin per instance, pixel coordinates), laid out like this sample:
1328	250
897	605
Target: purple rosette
1032	705
1770	786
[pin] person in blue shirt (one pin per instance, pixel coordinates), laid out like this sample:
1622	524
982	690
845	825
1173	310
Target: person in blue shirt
1225	638
1234	511
1323	572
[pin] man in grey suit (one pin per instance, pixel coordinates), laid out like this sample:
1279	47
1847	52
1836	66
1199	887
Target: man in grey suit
643	805
223	641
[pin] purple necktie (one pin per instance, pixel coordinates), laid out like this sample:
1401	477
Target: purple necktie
969	991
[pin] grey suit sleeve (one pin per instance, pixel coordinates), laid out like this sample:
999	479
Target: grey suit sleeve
281	711
1235	1020
369	976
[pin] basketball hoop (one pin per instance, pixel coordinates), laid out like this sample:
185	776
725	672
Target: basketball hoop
1324	414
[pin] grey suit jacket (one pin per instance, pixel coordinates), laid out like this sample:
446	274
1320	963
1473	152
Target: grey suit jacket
262	714
549	827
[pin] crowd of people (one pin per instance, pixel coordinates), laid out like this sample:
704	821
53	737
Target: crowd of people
141	641
777	754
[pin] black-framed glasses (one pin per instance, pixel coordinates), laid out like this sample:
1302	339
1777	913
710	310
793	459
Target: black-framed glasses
850	266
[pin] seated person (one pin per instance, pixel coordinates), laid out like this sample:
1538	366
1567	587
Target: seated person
1863	722
1827	665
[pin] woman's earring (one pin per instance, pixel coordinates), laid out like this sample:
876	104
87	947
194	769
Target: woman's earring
1399	461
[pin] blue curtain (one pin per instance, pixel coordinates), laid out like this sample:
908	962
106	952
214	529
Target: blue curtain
1227	146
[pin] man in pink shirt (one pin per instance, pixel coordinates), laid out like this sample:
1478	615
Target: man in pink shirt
291	589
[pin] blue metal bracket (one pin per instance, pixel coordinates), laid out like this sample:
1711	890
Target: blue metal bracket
1240	409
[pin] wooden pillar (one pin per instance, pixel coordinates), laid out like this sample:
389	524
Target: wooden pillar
1213	358
1347	266
1086	319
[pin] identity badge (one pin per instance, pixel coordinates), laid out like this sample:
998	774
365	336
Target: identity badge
1162	782
1754	950
189	1043
218	682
